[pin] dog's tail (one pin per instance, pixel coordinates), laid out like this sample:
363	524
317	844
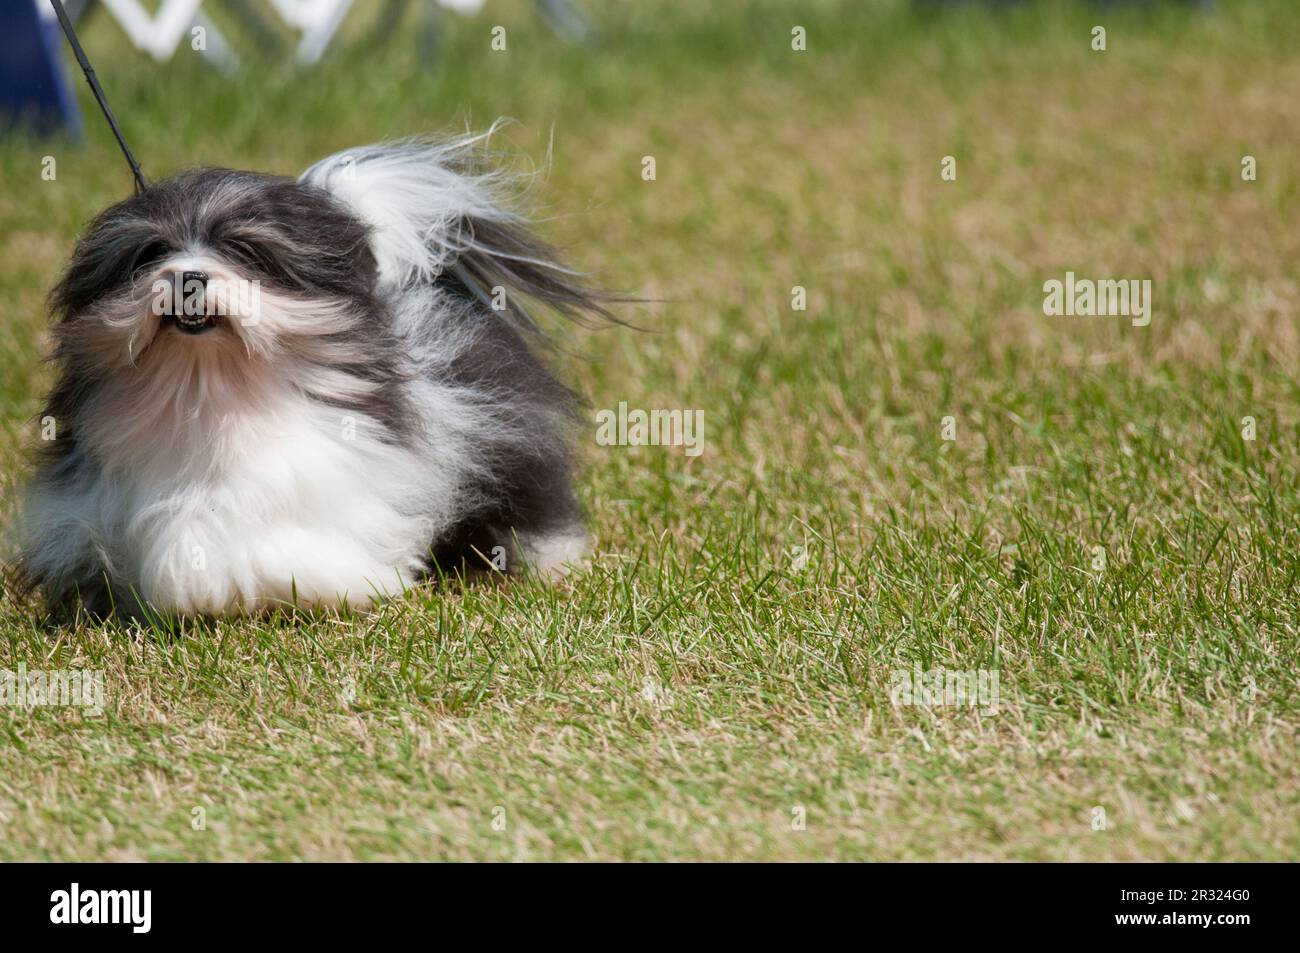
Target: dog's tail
438	211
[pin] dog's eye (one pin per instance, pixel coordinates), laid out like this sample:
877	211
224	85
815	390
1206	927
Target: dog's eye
260	260
148	254
244	253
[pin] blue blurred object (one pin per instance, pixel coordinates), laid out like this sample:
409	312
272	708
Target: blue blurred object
34	88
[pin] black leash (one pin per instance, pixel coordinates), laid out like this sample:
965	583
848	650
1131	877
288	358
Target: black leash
140	183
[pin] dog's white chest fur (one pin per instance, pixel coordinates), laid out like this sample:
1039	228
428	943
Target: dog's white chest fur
306	506
309	516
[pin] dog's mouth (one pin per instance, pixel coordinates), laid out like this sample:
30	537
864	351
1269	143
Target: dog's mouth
193	323
186	304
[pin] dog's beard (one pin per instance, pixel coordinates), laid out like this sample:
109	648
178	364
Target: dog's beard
163	397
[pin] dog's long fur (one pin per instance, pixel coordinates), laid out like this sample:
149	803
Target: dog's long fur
375	416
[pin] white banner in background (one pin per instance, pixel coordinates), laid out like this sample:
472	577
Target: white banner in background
156	35
316	20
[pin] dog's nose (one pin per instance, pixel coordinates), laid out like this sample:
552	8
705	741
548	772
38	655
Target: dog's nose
190	276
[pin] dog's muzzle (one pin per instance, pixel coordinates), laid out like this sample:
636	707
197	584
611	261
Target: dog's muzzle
189	299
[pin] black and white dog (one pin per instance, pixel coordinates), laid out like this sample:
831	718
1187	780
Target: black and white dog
275	391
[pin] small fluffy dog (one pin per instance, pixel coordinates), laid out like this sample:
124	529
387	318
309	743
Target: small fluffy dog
311	392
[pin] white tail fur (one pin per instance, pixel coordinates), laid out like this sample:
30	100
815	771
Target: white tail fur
418	197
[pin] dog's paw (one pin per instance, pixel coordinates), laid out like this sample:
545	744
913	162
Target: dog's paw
555	555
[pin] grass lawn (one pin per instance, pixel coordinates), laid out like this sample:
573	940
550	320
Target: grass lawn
1104	530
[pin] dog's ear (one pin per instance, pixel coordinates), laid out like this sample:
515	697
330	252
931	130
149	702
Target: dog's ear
506	268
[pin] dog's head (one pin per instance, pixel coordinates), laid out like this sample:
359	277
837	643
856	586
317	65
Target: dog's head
212	261
207	296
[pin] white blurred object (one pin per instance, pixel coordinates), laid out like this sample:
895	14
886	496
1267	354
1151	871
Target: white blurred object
176	19
156	35
317	19
316	22
467	7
